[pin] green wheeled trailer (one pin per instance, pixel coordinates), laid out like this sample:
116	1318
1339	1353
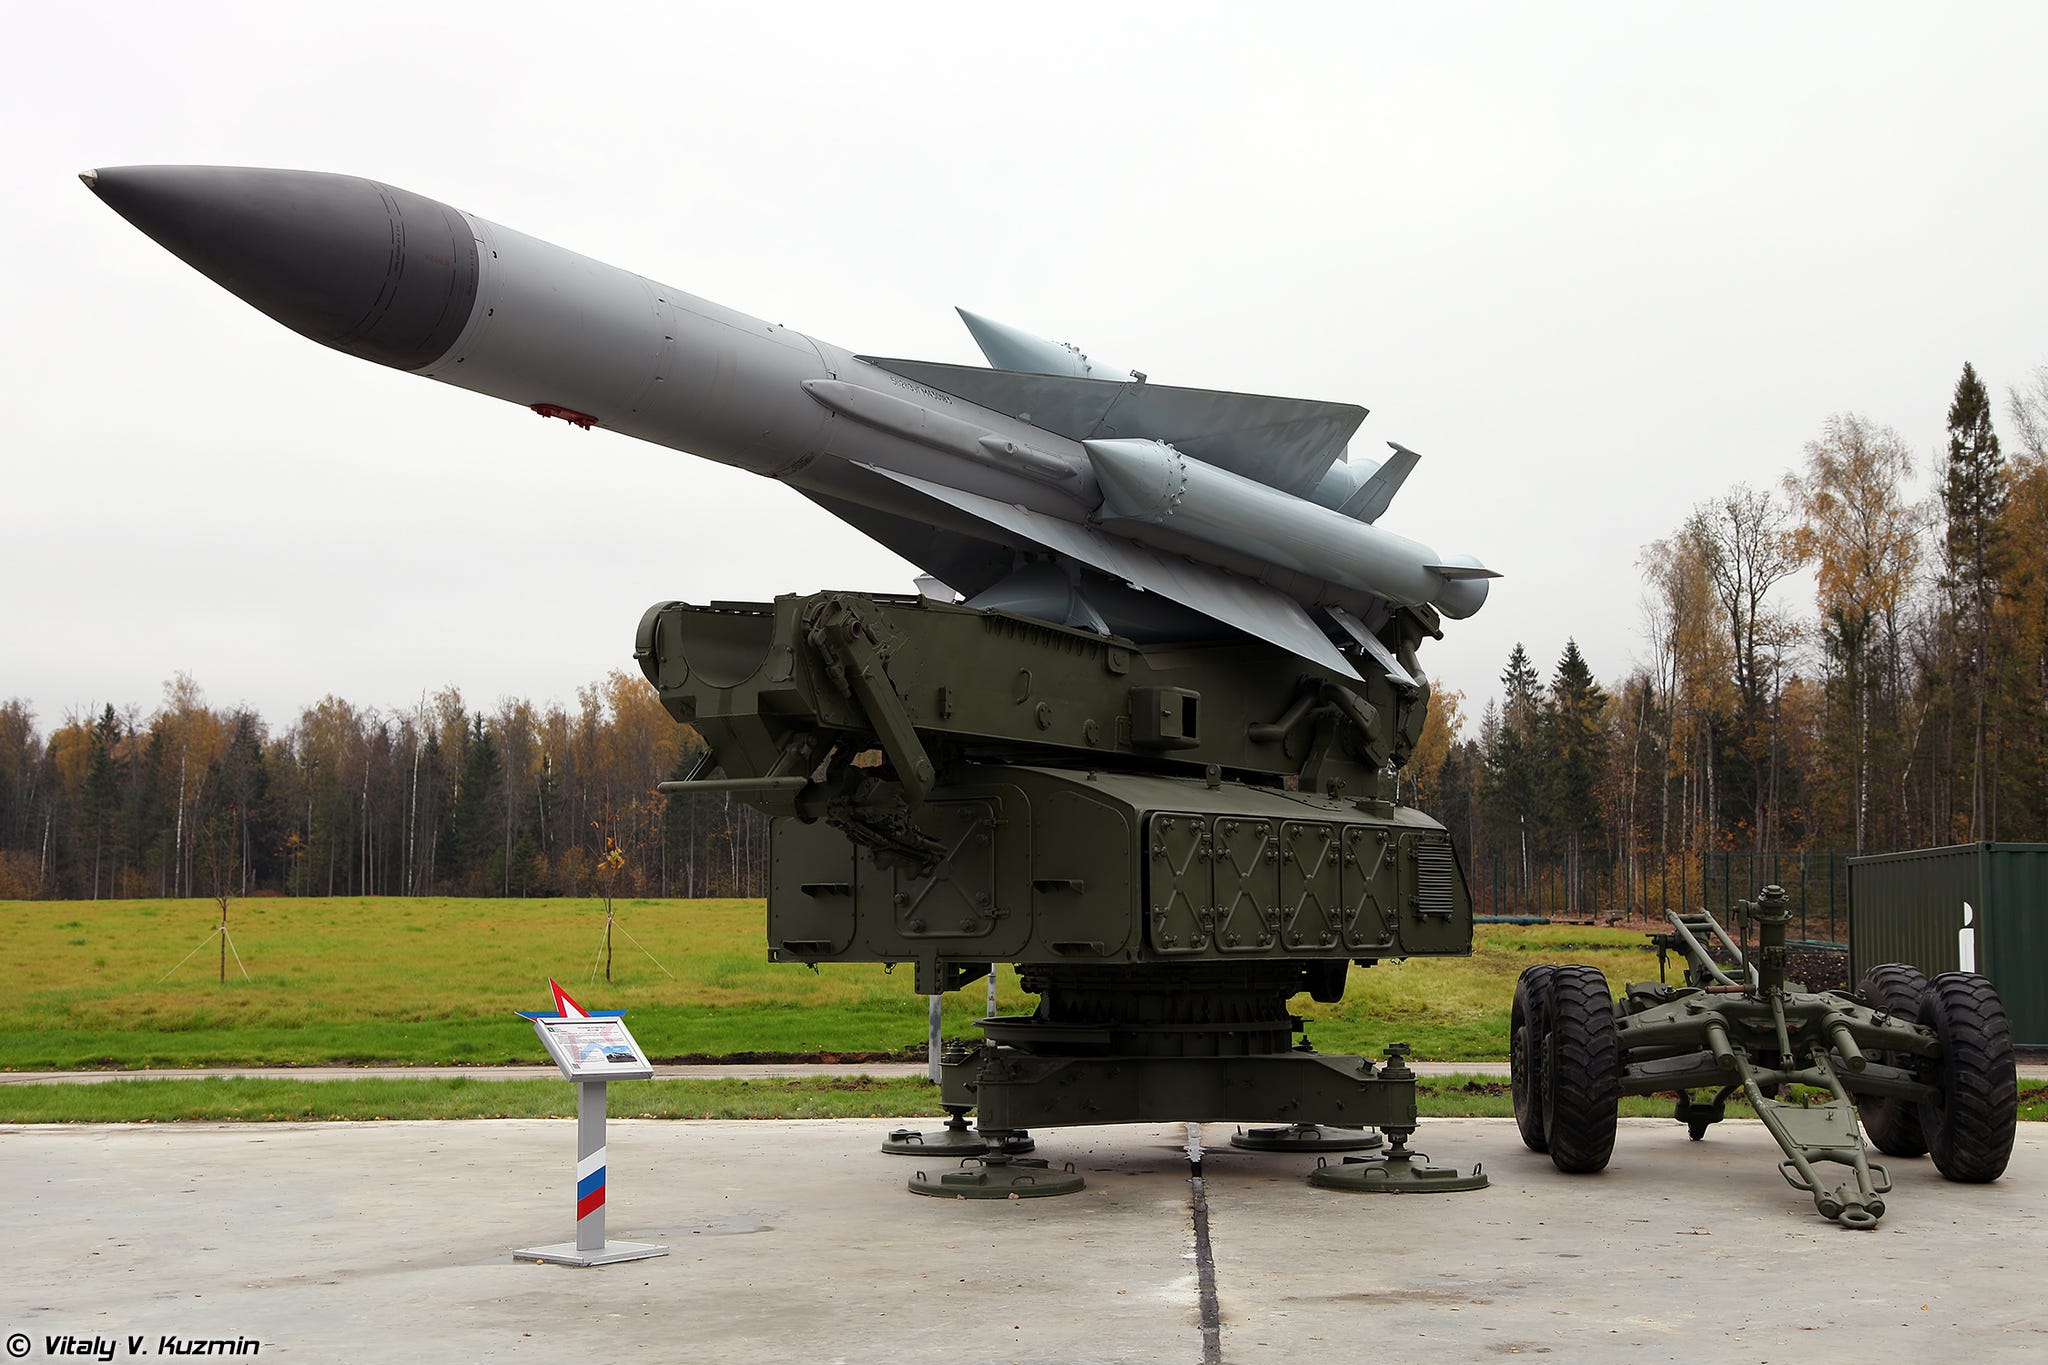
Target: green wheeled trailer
1927	1066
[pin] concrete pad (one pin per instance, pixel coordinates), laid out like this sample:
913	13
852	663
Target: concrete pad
1678	1251
797	1241
789	1241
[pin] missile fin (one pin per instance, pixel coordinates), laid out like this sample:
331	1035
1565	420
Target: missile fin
1376	494
1240	603
1370	643
1013	348
1284	443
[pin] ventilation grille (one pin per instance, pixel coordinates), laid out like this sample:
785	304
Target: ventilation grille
1436	872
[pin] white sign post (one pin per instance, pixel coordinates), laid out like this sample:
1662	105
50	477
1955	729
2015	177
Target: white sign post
590	1050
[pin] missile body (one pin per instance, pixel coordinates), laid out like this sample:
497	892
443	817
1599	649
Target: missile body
406	281
1154	485
961	485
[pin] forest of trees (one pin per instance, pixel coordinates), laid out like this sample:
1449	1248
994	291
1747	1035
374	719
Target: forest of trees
1906	706
436	800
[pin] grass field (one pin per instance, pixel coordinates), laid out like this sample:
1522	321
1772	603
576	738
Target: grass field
436	981
250	1100
253	1100
278	1101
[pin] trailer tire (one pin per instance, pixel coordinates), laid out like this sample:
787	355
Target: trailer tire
1893	1124
1528	1023
1970	1133
1582	1071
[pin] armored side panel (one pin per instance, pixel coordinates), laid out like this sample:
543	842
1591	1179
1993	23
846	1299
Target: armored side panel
1063	865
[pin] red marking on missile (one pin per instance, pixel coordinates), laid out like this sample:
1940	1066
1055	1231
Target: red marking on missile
569	415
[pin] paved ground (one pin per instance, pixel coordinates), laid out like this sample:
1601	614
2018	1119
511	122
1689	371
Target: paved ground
797	1242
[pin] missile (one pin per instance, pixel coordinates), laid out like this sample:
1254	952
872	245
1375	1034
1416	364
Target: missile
1150	482
1170	511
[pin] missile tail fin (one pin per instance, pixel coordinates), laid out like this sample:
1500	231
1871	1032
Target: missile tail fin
1284	443
1376	494
1013	348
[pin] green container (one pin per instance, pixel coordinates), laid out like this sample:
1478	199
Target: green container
1910	907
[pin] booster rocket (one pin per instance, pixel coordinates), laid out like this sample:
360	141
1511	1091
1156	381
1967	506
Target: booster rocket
1056	484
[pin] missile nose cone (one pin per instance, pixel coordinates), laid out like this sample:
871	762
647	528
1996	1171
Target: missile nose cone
368	269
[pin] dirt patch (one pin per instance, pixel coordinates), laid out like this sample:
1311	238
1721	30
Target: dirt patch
1817	968
1428	1087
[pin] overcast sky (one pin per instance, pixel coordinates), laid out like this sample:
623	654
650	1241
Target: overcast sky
1596	263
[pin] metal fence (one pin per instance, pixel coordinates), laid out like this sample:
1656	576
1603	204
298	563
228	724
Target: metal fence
1818	884
1599	888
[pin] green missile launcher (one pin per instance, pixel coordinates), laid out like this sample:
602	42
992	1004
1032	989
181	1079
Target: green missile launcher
1170	841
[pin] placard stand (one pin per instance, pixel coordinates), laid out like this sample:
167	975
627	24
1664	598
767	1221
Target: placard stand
591	1049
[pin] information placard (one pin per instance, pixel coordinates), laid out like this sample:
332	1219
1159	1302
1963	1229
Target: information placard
594	1049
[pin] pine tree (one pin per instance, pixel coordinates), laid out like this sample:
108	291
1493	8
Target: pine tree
1572	753
1522	688
474	823
1973	499
1513	763
103	801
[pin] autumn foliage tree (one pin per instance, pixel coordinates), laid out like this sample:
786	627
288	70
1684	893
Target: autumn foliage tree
434	798
1863	539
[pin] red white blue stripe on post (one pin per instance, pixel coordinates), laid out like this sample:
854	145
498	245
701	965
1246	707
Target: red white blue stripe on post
590	1184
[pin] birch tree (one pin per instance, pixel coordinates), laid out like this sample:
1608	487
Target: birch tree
1862	536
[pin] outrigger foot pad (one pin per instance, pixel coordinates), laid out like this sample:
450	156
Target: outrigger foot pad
1403	1173
1400	1171
947	1141
955	1139
1307	1137
998	1177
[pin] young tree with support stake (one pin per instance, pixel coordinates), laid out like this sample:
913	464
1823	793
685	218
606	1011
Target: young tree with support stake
609	867
223	868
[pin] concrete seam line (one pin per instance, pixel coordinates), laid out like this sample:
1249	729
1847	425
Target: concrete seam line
1205	1258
